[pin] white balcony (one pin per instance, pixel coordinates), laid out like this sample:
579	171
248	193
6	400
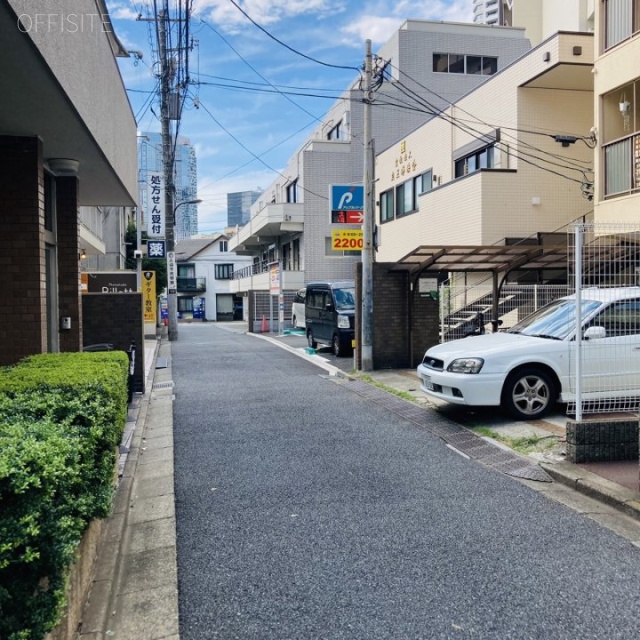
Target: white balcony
253	278
267	227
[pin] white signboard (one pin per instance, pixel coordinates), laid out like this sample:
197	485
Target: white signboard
155	206
172	276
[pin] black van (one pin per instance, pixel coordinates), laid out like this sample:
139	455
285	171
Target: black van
330	309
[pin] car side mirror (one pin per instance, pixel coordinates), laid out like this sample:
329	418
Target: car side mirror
593	333
328	307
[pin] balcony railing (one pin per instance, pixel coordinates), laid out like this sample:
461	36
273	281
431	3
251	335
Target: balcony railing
197	285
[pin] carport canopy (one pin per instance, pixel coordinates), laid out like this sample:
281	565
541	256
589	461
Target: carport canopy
502	259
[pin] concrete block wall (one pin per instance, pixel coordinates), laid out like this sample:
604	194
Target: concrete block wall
116	318
602	440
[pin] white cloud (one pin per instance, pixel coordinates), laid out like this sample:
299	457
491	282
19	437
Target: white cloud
264	12
377	21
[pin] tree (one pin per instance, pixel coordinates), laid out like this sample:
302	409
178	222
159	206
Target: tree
148	264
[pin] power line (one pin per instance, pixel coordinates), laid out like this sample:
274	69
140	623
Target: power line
286	46
256	157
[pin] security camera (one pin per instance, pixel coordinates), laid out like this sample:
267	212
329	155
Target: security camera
137	254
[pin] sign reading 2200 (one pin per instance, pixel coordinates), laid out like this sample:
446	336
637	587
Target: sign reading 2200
346	240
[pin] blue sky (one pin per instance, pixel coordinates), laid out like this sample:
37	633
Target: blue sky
229	127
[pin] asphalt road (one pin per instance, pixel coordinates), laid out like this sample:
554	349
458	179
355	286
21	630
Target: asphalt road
305	512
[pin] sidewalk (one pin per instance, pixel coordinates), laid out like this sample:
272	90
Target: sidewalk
135	589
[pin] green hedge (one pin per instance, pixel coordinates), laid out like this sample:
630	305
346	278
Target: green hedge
61	419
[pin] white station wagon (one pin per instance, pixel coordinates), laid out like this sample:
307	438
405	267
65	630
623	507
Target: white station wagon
530	366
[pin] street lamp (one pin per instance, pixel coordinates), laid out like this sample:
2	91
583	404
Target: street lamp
172	293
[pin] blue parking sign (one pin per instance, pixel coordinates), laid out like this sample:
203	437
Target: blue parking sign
347	197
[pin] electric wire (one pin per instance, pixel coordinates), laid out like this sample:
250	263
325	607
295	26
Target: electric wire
256	157
286	46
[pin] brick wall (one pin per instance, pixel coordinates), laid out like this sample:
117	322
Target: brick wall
405	324
22	260
116	318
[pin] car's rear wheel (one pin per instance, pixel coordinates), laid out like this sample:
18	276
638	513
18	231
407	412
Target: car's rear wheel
336	346
310	340
528	393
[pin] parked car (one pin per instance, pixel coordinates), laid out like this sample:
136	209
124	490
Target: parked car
530	366
297	310
330	309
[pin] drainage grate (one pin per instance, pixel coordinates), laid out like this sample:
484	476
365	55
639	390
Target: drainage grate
163	385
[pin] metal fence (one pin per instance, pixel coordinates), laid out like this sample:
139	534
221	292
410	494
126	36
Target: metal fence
266	312
606	358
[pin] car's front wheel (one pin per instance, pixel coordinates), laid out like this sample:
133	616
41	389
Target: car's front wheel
528	393
311	340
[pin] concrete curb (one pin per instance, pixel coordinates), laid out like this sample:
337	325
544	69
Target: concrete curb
594	486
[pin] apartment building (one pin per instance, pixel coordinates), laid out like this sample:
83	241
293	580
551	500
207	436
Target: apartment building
511	161
205	269
68	140
617	112
539	18
291	221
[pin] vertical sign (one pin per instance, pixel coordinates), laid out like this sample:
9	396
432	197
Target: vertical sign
172	279
149	295
274	278
155	200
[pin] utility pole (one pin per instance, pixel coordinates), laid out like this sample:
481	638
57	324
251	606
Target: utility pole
366	340
167	161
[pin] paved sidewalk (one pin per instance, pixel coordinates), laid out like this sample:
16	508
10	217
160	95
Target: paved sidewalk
135	590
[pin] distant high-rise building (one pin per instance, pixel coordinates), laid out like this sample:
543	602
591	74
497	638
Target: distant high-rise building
239	206
185	179
488	11
539	18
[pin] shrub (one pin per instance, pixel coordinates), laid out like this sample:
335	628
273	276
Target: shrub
61	419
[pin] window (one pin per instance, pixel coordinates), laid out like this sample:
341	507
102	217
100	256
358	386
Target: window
424	182
292	192
224	246
482	159
467	64
386	206
622	20
621	139
335	133
224	272
185	304
405	201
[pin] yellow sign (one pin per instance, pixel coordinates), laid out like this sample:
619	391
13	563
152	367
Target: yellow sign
149	295
346	239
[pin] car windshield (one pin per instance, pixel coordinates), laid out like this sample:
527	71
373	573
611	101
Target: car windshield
345	299
555	321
